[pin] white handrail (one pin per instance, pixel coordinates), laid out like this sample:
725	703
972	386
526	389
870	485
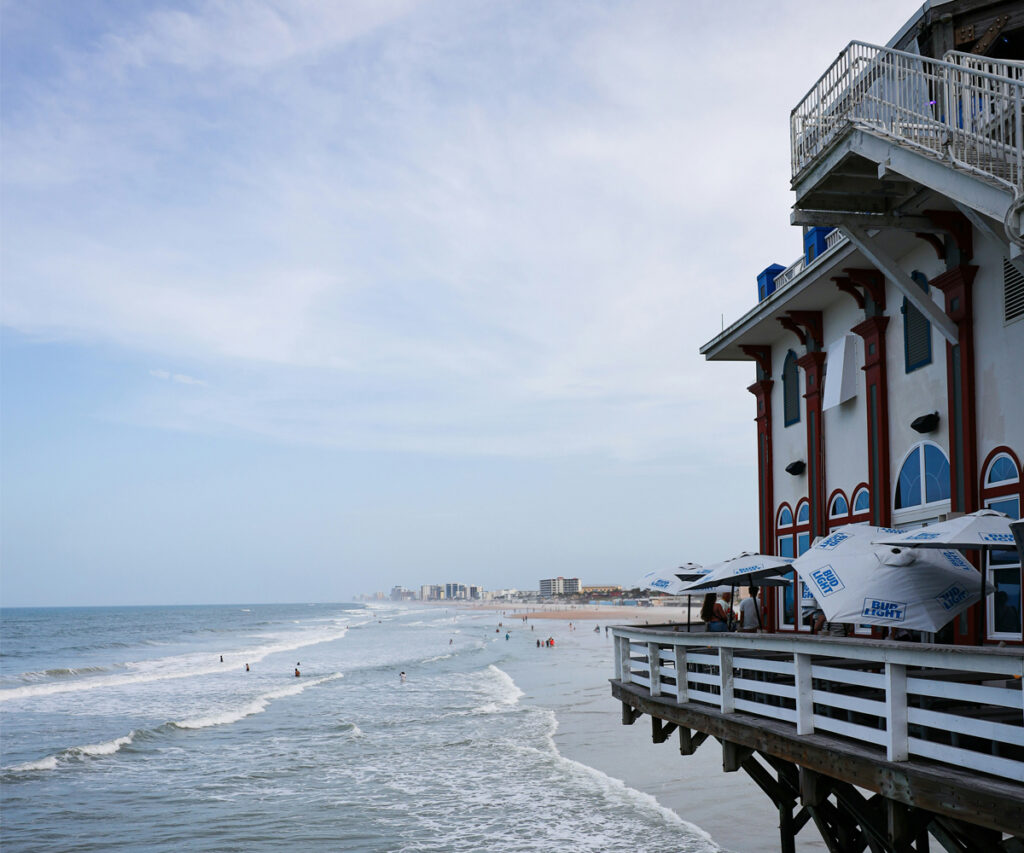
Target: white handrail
958	705
964	110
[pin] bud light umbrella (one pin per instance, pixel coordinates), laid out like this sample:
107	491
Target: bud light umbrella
985	530
741	570
663	581
856	581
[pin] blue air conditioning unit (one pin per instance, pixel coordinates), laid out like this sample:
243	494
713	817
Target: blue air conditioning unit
766	281
814	242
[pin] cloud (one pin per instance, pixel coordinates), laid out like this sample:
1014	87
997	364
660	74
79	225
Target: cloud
177	378
443	227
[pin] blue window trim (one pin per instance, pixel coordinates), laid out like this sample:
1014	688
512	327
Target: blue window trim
844	505
787	377
857	509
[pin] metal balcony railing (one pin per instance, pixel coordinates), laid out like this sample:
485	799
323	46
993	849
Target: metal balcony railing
962	109
958	706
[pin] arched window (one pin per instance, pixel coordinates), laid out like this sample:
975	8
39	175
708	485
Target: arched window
784	546
923	479
1003	491
803	526
838	509
793	537
861	510
917	331
790	390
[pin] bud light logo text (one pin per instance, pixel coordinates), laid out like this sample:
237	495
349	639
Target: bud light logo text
895	611
957	559
661	583
827	580
833	541
997	537
951	597
917	536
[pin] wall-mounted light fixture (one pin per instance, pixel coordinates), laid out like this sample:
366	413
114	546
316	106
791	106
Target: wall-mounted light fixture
925	423
796	468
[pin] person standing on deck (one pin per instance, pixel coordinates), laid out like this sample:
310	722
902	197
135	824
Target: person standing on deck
749	617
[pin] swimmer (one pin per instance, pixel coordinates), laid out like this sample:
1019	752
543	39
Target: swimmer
247	667
222	658
297	673
401	676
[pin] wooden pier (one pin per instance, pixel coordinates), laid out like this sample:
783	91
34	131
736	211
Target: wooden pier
881	745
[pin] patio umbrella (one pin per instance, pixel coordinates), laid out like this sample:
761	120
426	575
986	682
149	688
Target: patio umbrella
985	530
742	570
854	580
662	581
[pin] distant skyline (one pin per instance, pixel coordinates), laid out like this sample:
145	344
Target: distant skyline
302	300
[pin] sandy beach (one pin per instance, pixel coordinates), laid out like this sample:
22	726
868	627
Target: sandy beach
611	613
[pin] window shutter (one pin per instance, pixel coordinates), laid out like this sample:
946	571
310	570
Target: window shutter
1013	292
917	332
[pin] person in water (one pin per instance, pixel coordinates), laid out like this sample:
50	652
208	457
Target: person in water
401	676
297	673
222	658
247	667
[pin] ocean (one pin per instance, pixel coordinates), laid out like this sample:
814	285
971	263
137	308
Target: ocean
122	729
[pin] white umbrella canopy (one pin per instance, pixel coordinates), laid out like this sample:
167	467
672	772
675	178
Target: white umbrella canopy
983	530
855	581
742	570
663	581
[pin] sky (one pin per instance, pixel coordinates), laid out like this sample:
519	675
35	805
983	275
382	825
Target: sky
302	300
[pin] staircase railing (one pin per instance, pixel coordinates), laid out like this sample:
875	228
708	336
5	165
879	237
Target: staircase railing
963	109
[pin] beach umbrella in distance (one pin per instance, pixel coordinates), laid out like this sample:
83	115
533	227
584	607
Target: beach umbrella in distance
856	581
742	570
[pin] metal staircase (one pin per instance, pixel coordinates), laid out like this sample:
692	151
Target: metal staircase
962	112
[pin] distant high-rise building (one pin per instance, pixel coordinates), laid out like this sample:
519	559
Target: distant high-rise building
559	586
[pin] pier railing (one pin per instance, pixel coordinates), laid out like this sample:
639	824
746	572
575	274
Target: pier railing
960	109
955	705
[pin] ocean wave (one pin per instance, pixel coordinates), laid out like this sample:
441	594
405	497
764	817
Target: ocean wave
61	672
436	658
179	666
51	762
255	706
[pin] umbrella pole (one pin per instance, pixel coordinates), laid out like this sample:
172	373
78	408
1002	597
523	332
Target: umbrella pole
984	592
689	604
732	604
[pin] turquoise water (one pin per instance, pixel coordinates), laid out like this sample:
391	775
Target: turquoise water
122	729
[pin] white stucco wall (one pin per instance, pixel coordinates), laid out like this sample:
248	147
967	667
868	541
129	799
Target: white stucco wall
921	391
998	357
845	426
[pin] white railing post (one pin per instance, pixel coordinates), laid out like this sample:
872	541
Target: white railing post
896	745
622	667
728	700
654	665
681	697
804	694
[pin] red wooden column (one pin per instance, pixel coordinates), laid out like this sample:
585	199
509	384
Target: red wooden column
957	286
876	383
762	390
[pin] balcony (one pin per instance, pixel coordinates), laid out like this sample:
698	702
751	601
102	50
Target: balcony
880	125
937	727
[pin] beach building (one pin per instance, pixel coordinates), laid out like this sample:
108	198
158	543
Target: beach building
559	586
887	375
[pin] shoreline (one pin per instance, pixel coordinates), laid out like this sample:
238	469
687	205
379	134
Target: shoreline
617	614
